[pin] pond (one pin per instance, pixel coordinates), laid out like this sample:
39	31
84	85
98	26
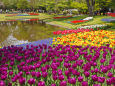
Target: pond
19	32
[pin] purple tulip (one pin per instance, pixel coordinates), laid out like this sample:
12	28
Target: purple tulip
43	69
96	70
61	77
74	65
101	79
10	68
102	60
94	77
63	83
11	73
41	83
12	63
31	81
109	81
3	77
113	80
74	72
104	69
54	66
80	78
109	74
33	73
2	83
94	64
13	79
9	84
84	83
70	69
55	77
59	71
22	63
86	73
53	84
27	73
22	81
44	74
72	80
67	73
38	74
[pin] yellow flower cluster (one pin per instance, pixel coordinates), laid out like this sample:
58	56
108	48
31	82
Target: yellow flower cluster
92	38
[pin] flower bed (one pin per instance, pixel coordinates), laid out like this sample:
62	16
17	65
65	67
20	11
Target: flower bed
82	20
60	65
111	14
33	19
57	66
12	15
78	21
72	31
24	14
94	26
108	19
61	17
33	14
92	38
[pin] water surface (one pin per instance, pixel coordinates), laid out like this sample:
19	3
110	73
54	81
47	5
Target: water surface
19	32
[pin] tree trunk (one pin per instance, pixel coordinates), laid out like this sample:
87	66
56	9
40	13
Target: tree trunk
90	7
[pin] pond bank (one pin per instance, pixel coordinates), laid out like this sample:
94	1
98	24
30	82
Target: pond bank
49	23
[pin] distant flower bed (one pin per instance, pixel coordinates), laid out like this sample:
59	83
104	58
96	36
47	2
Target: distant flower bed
108	19
94	26
82	20
78	21
60	65
24	14
12	15
61	17
33	19
24	19
33	13
111	14
92	38
72	31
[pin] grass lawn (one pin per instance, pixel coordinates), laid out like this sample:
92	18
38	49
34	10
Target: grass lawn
60	22
4	17
96	20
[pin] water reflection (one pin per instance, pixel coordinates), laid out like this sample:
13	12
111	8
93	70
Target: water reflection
18	32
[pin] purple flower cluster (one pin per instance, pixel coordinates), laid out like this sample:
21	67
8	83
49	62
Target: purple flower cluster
59	65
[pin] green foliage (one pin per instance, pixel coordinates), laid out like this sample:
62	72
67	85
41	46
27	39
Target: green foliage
80	6
113	4
75	12
103	3
57	5
22	4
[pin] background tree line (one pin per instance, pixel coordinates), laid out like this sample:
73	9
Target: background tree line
84	6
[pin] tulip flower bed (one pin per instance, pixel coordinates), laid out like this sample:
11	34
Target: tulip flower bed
35	14
92	38
60	65
61	17
111	14
78	21
24	14
72	31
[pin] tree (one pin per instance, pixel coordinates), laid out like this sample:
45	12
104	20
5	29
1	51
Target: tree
22	4
113	5
90	5
82	7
